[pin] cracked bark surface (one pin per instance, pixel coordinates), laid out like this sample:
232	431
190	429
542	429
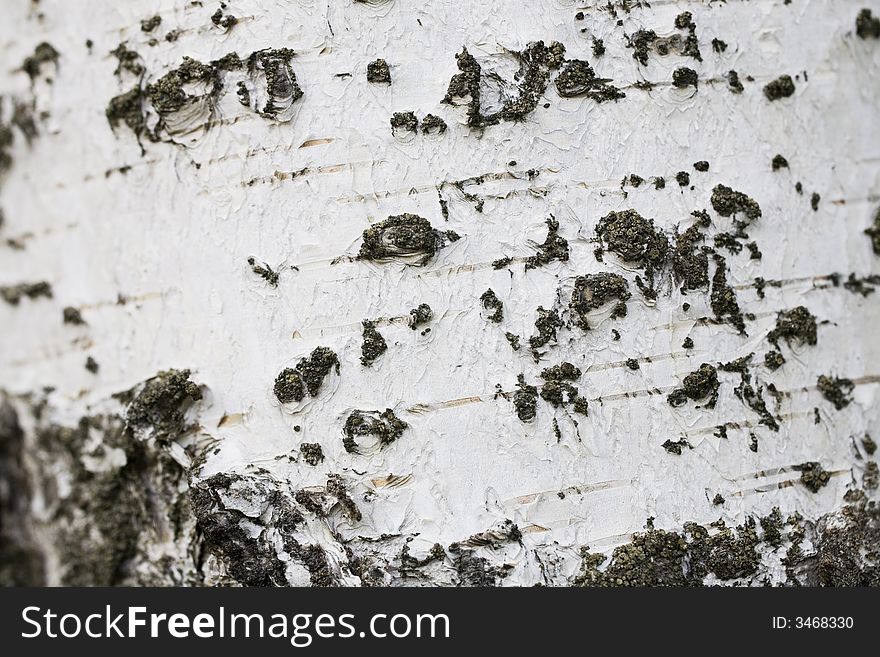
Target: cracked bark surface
262	311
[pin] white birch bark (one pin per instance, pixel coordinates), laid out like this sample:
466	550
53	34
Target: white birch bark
151	247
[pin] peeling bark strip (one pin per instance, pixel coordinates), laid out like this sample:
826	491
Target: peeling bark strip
321	379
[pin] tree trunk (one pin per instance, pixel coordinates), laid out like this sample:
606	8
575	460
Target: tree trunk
363	293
